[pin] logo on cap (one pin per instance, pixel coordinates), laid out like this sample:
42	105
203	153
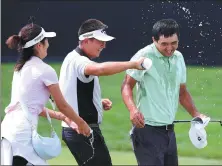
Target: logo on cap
88	35
38	38
103	31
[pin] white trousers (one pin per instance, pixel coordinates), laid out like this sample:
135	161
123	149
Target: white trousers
6	152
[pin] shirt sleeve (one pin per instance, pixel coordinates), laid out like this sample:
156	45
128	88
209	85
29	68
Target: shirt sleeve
184	71
134	73
49	76
79	66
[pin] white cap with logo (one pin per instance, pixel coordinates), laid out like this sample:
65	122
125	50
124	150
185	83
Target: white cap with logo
99	34
197	132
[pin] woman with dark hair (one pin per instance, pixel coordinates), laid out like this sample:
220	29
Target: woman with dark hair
33	82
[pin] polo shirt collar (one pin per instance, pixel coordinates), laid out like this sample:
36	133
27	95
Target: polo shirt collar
81	52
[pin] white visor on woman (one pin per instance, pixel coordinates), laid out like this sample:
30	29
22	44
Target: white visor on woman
99	34
39	38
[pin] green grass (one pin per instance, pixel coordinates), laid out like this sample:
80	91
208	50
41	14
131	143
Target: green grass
205	86
128	158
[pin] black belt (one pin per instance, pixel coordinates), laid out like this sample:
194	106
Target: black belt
93	125
166	127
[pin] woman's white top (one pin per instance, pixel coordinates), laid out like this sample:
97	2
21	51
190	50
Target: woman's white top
30	86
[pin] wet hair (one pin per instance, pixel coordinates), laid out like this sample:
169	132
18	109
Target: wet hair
27	33
91	25
166	27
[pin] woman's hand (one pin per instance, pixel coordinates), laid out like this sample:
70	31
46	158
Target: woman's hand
81	128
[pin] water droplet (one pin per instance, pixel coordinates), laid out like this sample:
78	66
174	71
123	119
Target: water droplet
201	34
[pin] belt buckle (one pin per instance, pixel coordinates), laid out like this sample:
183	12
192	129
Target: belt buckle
167	127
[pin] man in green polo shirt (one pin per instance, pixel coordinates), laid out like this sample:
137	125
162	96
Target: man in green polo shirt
159	90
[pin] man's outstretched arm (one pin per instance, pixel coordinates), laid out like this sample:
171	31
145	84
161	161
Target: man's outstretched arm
110	68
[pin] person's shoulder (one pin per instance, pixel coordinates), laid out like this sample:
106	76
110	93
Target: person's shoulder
47	68
71	55
179	56
147	50
178	53
75	56
70	58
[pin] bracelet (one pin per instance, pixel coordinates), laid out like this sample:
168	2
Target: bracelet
62	117
58	116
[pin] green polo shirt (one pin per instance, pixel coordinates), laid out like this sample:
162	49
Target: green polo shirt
157	90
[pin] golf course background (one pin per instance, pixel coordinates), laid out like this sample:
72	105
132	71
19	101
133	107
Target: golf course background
205	85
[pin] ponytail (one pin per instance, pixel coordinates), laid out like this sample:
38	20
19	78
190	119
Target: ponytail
27	33
13	41
26	54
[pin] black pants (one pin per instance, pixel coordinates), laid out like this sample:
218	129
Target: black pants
155	146
19	161
80	148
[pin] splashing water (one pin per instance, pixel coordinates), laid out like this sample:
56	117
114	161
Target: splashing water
186	10
91	140
204	30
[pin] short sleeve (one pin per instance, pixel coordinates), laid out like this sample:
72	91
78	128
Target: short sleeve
49	76
184	71
134	73
79	65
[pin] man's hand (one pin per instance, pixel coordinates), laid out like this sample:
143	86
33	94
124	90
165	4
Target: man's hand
200	115
107	104
82	128
139	63
137	119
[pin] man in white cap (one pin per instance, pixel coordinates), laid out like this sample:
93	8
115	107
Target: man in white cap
80	86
